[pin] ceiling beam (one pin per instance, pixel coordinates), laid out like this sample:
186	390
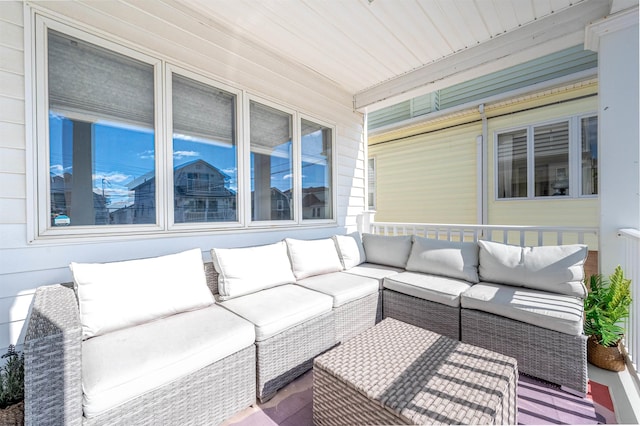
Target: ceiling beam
550	34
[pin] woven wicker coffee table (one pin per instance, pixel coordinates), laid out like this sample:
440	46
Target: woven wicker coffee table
396	373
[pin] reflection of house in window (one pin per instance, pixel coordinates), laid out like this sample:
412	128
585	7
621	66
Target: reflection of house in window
316	203
280	205
61	193
200	195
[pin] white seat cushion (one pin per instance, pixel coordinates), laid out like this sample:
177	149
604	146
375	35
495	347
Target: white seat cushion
547	310
559	269
248	270
453	259
117	295
433	288
387	250
343	287
124	364
277	309
313	257
371	270
350	249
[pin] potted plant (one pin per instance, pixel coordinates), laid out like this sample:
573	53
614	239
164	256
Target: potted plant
606	305
12	388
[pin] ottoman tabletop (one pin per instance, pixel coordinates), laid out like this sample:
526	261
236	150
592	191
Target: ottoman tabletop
398	373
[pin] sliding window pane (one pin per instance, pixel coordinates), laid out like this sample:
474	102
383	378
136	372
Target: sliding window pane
101	135
271	163
512	164
589	136
551	150
316	171
205	166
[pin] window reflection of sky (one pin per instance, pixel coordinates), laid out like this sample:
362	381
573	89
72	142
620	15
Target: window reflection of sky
122	153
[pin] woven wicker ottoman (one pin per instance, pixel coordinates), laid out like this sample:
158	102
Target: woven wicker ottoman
396	373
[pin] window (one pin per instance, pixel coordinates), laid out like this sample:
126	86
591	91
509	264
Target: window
512	164
589	157
205	155
101	135
271	142
372	184
317	176
538	161
131	143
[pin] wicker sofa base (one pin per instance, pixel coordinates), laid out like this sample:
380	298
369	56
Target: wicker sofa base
546	354
53	382
285	356
432	316
355	317
207	397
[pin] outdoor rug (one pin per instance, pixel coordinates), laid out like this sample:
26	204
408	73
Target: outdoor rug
539	402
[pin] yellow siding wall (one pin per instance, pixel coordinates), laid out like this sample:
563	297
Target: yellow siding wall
428	172
428	178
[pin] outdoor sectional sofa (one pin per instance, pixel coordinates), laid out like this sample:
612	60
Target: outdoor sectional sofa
165	340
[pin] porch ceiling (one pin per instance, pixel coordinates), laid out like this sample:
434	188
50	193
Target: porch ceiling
385	51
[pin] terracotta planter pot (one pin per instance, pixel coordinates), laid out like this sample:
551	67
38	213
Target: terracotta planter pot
607	357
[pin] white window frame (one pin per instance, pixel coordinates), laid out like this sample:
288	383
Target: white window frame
191	226
334	171
38	190
375	183
578	162
295	158
573	164
43	196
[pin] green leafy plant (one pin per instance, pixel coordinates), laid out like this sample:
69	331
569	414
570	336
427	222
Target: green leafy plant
606	305
12	378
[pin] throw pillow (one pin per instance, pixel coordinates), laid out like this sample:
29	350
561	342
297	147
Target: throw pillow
558	269
313	257
350	249
453	259
117	295
247	270
387	250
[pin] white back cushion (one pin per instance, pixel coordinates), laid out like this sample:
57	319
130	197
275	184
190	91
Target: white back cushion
387	250
118	295
453	259
250	269
558	269
313	257
350	249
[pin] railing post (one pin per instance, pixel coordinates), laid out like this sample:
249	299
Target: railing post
364	220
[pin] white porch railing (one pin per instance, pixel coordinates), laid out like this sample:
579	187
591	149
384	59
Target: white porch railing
631	269
509	234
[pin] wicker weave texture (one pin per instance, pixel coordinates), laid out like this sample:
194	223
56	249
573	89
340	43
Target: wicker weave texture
399	373
207	397
52	357
550	355
289	354
432	316
354	317
212	278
